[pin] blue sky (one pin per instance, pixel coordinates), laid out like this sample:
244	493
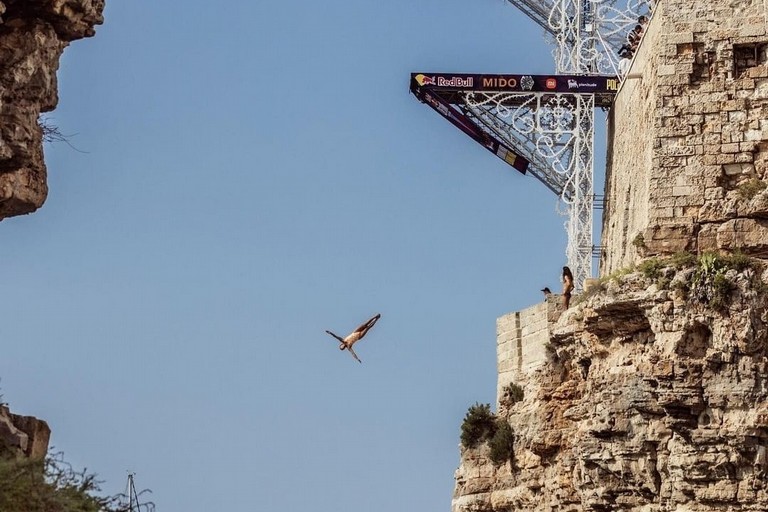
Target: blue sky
255	173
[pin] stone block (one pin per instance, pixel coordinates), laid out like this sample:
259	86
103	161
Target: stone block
749	236
679	38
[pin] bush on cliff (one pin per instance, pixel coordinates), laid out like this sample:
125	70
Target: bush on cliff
502	444
479	425
51	485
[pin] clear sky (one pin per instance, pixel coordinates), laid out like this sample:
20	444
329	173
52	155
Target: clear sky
255	172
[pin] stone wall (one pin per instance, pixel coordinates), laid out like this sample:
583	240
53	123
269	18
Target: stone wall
689	151
521	338
33	34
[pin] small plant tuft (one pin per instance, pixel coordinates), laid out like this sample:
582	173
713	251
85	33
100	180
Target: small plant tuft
710	284
750	188
511	394
639	241
682	259
651	268
738	261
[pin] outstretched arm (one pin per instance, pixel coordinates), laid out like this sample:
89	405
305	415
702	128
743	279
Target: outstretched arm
337	337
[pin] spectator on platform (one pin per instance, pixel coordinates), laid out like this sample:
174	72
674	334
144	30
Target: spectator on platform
635	36
625	60
567	287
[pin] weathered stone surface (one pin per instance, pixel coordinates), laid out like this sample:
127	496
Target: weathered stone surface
33	36
749	236
688	132
23	436
646	401
12	439
649	395
38	434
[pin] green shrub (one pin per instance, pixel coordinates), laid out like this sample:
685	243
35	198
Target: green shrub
710	286
750	188
738	261
618	275
682	259
651	268
51	485
511	394
639	241
479	425
502	444
721	291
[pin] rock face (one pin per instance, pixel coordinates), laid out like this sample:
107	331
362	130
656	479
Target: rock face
648	400
650	393
33	35
23	436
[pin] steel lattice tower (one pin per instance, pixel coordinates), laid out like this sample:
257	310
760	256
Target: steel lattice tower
544	125
587	35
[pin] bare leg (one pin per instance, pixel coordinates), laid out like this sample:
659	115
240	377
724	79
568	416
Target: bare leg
363	329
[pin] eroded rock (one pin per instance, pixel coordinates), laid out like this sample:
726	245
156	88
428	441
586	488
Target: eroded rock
33	36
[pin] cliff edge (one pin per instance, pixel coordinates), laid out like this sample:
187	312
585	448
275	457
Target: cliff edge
33	35
652	396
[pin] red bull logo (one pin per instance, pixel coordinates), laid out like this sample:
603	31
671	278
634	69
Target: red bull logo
455	81
441	81
424	79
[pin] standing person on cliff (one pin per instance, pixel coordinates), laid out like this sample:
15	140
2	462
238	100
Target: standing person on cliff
567	286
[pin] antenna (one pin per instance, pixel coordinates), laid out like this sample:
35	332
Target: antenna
132	497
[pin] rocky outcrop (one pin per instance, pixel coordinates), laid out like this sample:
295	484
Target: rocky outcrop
33	35
23	436
653	397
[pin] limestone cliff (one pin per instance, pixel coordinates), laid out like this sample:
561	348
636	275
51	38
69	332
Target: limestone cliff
650	394
653	396
33	35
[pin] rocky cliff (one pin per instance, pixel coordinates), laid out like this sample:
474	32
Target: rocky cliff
33	35
653	397
650	393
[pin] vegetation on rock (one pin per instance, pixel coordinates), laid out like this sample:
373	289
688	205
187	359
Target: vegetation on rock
750	188
482	426
51	485
511	394
479	425
502	444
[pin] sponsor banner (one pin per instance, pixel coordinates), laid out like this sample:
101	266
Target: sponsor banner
516	83
469	127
